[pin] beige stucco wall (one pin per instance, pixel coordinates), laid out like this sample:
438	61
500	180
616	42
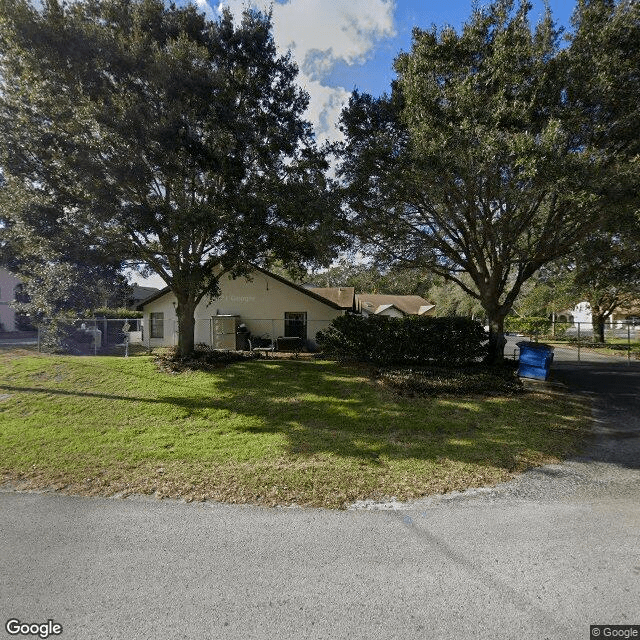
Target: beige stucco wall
261	304
392	312
8	284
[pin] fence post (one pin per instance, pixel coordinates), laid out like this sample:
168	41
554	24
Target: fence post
578	341
628	344
39	338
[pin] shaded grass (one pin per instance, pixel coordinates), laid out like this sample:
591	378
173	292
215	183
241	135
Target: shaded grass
468	380
265	431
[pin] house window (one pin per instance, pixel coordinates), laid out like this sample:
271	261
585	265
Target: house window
295	325
156	322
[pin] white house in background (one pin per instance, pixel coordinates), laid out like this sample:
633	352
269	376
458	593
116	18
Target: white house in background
393	306
581	313
267	304
8	284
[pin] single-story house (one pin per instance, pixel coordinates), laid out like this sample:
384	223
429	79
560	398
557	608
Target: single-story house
393	306
266	305
8	285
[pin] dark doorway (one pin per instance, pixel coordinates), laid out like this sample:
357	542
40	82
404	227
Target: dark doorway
295	325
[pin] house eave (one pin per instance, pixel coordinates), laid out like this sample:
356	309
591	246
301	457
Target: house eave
280	279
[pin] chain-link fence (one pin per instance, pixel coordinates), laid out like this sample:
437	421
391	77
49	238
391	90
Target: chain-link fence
100	336
579	339
122	336
249	333
238	332
90	336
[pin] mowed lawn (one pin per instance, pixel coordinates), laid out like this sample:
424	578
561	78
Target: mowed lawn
272	432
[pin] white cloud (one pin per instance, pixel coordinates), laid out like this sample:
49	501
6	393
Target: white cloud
320	34
205	7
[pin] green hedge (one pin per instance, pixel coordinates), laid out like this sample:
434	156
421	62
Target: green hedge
528	326
104	312
410	340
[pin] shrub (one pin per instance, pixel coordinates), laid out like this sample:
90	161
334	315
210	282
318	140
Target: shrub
469	380
528	326
203	358
105	312
61	336
411	340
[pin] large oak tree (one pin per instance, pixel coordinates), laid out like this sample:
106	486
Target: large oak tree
480	165
169	140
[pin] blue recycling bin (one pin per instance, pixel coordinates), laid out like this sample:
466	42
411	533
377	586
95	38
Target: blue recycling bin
535	360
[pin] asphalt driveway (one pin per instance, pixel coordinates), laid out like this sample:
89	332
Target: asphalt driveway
544	556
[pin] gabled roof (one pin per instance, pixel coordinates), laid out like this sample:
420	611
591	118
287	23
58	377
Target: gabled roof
386	307
342	296
308	292
410	305
140	294
143	293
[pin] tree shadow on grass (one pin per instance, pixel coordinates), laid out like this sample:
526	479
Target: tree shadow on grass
326	409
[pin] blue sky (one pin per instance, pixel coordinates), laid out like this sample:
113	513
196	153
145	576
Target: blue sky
340	45
375	75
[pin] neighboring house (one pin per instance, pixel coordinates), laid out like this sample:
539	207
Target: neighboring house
582	313
268	305
393	306
8	284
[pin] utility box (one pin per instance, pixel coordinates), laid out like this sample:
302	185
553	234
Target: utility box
223	331
535	360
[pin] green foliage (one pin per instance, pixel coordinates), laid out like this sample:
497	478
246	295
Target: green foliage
60	288
161	138
528	326
61	336
409	340
604	58
368	278
451	300
550	291
203	358
106	312
480	161
433	381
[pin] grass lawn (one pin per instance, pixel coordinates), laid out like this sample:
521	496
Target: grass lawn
265	431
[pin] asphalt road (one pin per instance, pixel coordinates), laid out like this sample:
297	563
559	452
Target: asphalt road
542	557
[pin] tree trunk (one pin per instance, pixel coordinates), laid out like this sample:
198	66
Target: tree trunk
497	341
186	326
598	322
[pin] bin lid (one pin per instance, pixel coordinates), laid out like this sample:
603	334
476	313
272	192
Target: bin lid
535	345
